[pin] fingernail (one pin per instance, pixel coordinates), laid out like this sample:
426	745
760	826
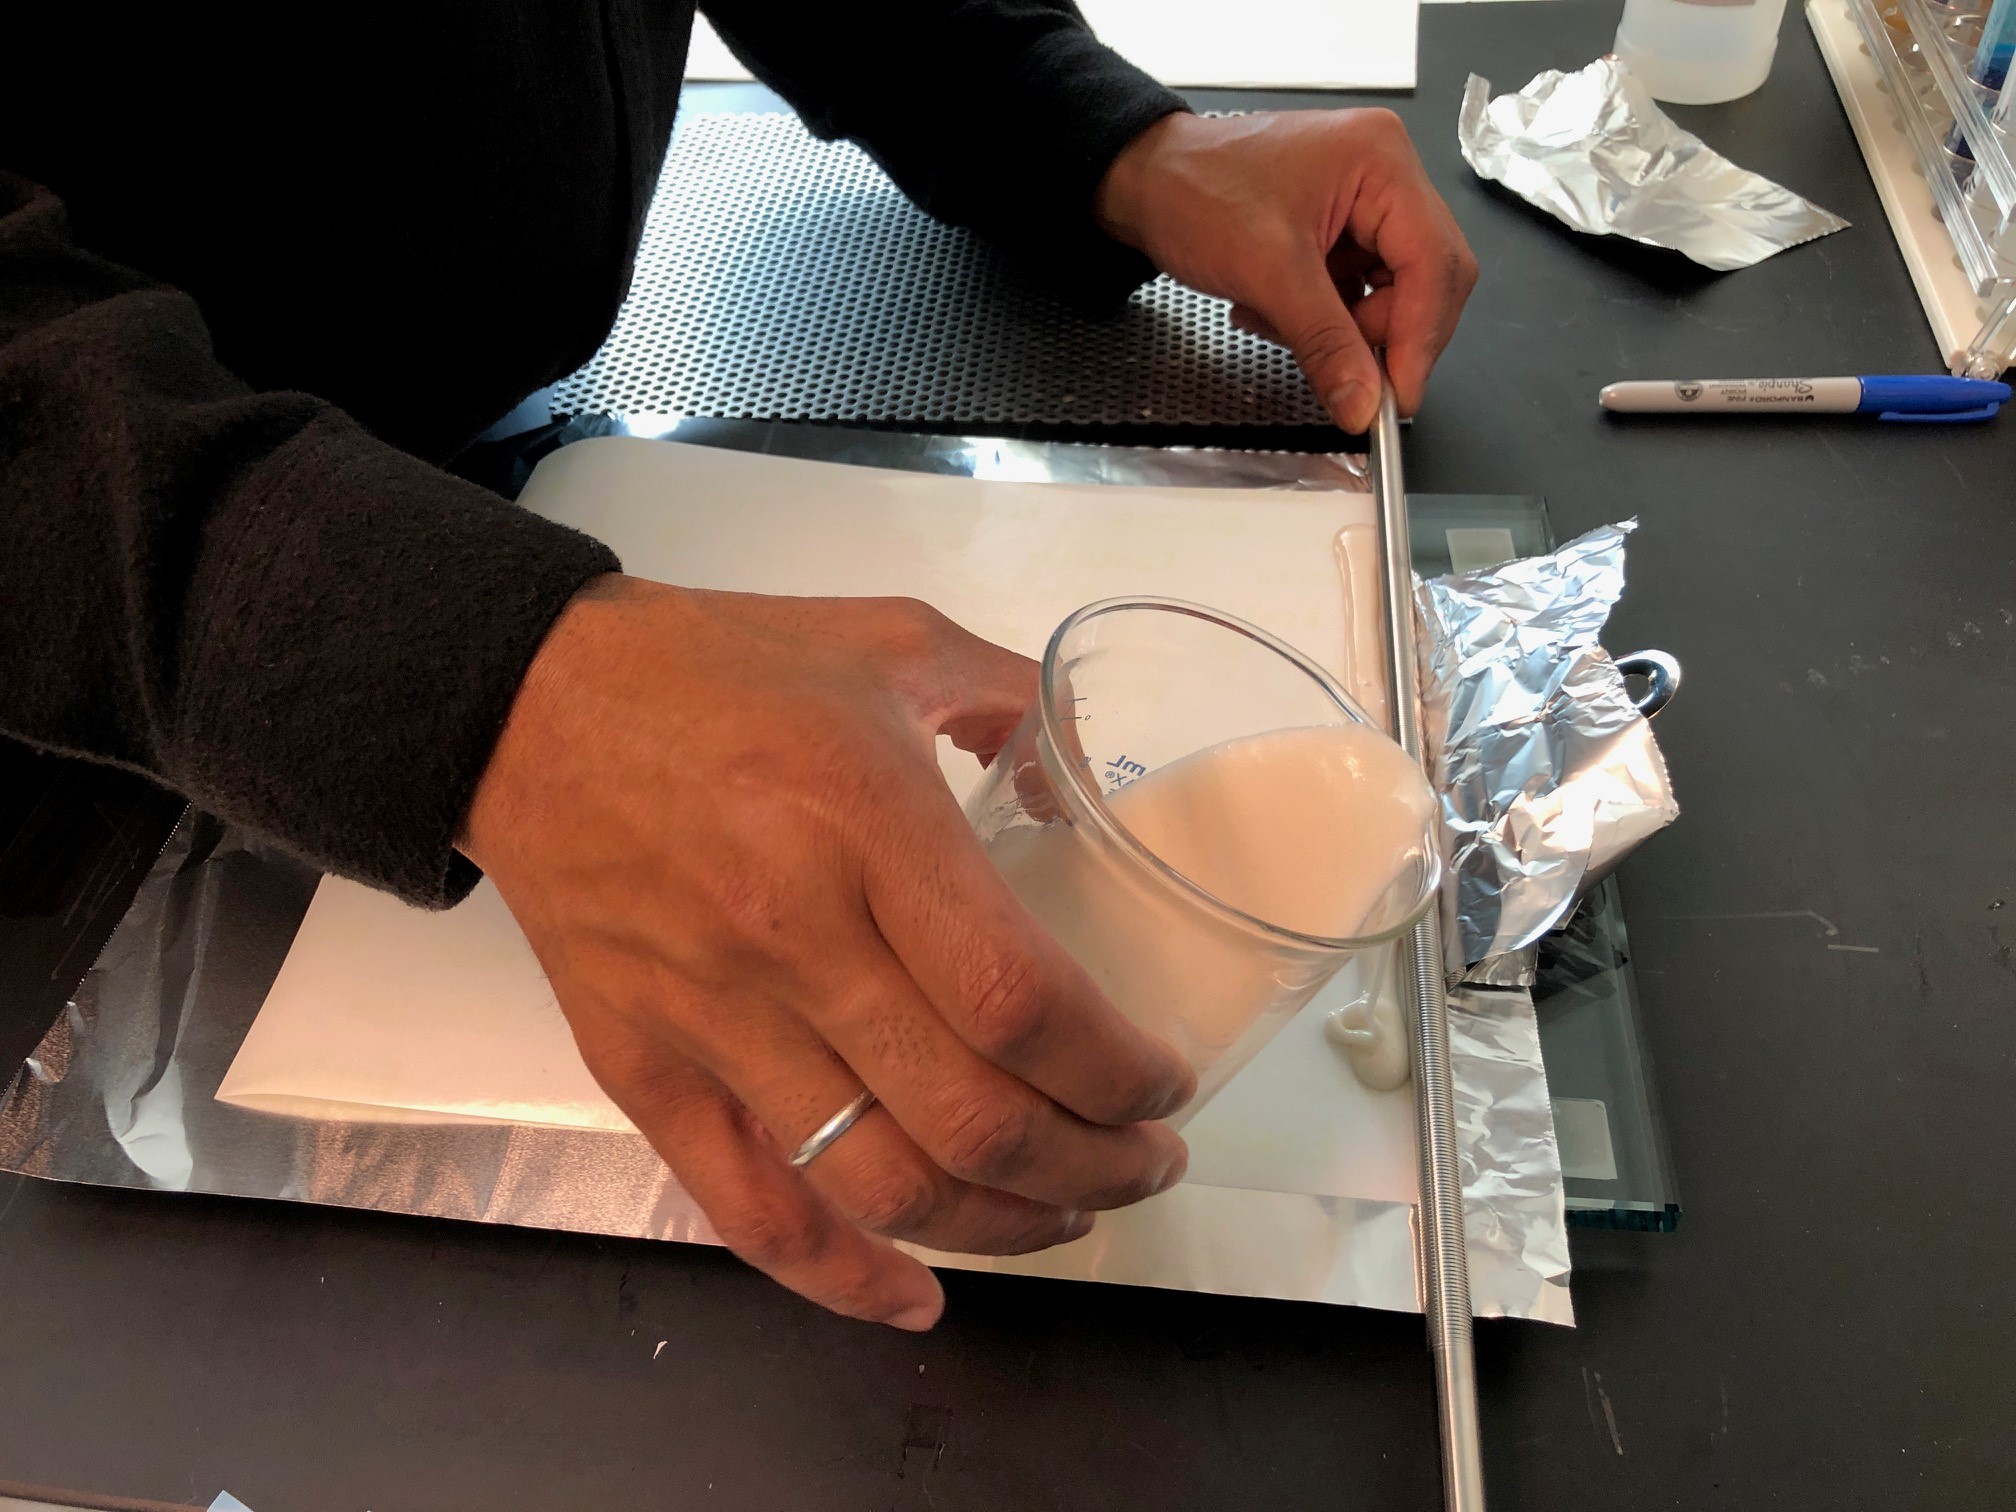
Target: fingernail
1350	405
1173	1172
916	1318
1077	1226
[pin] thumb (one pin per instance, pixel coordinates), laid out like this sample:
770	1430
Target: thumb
1310	315
985	690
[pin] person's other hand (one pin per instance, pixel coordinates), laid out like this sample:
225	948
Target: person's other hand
720	821
1292	216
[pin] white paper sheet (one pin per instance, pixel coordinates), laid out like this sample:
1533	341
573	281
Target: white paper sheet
386	1011
1250	44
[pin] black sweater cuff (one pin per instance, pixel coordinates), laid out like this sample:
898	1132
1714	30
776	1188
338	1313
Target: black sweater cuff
365	625
1085	103
1001	115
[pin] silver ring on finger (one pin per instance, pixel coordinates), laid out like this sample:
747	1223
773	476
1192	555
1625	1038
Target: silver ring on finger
816	1143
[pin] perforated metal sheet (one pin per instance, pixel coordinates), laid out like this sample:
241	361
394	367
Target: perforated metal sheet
786	278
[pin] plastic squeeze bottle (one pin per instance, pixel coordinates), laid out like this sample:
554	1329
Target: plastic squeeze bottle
1699	52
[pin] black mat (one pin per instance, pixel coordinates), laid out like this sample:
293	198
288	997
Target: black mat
785	278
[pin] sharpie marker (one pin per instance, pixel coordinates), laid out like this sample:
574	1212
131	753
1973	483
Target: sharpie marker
1930	400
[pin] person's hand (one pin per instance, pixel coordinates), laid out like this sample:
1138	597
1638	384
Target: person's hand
1292	217
720	821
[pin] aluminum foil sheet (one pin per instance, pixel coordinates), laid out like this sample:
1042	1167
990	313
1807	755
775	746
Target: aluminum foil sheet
1594	150
997	459
1549	775
121	1091
1513	968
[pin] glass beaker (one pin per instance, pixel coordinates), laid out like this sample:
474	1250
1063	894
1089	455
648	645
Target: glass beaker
1206	821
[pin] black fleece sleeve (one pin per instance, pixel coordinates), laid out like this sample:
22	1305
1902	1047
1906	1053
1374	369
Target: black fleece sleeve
244	594
1000	115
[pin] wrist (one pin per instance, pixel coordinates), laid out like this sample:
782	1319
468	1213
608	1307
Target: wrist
1120	203
577	640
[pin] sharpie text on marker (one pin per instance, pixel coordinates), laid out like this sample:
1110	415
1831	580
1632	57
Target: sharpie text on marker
1933	399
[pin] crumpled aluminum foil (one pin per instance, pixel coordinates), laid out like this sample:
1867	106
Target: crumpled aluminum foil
1594	150
1548	773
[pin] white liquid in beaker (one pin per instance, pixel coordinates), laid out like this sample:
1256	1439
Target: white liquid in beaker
1307	829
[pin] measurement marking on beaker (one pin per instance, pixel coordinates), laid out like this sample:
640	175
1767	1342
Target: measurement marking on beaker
1122	771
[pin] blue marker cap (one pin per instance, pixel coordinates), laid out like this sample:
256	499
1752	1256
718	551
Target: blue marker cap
1936	400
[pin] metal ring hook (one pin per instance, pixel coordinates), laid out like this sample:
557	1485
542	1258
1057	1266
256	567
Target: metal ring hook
1662	678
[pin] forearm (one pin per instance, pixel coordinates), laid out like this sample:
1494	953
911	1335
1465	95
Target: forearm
1002	115
243	593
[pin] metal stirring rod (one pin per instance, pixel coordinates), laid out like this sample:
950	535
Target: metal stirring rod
1445	1265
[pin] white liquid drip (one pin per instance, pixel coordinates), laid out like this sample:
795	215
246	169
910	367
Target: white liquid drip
1307	829
1372	1033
